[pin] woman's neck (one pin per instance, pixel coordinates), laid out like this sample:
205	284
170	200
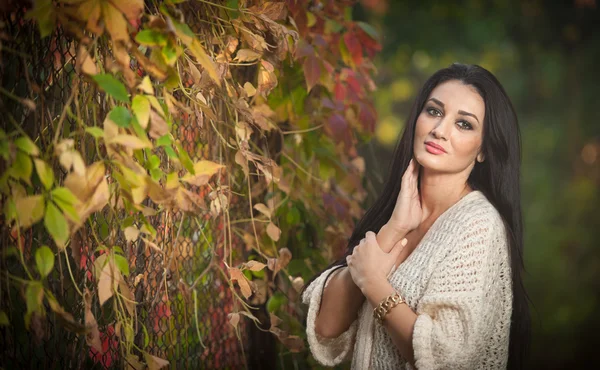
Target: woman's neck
440	191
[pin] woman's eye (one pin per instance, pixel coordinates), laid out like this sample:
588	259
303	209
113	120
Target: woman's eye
434	112
464	125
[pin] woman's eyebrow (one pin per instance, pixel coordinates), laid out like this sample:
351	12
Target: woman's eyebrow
459	112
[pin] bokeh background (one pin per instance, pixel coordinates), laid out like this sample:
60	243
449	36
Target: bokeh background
546	54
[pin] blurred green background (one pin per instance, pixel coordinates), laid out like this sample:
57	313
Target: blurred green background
546	54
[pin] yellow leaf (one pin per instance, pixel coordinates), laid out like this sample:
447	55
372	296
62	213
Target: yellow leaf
155	363
146	86
130	141
204	60
116	25
204	170
246	55
131	233
273	231
141	109
250	89
90	11
263	209
132	9
29	210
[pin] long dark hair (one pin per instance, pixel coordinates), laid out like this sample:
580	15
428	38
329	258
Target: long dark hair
497	177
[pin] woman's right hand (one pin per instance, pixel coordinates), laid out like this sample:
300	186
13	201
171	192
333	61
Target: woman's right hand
407	212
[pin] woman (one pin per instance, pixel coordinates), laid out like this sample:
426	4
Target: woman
434	279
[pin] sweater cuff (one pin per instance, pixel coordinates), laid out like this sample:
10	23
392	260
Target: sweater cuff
422	342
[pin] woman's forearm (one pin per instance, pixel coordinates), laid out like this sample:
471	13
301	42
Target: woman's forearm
399	322
340	304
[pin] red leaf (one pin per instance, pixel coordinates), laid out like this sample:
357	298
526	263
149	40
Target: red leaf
312	71
354	47
339	91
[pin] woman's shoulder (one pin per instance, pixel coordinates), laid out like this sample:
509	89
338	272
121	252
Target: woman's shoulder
475	213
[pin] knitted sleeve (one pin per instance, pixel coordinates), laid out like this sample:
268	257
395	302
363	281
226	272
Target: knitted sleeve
327	351
464	302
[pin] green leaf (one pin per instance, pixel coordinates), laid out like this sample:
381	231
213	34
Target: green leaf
156	174
25	144
171	153
185	159
153	162
4	319
163	140
112	86
120	116
369	30
122	264
151	38
22	167
66	200
141	110
45	173
43	13
56	224
118	249
33	296
96	132
44	259
276	301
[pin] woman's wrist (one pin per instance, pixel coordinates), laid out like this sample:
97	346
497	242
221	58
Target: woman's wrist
389	236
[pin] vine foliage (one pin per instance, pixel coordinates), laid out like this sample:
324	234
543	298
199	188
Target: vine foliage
200	142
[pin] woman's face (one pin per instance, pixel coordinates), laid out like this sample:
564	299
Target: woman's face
449	129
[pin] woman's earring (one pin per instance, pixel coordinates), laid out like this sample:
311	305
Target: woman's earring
480	158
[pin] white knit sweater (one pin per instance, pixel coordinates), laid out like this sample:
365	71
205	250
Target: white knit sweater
457	280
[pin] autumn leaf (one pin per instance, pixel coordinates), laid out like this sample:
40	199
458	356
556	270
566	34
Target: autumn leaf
92	337
246	55
130	141
263	209
85	62
115	22
141	109
234	319
155	363
254	265
237	275
203	170
205	61
312	71
106	281
273	231
29	210
158	125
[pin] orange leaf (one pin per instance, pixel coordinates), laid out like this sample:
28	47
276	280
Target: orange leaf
234	319
116	25
237	275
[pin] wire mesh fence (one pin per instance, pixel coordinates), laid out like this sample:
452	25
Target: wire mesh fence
189	327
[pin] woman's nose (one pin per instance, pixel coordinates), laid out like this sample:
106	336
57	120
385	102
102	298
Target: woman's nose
439	131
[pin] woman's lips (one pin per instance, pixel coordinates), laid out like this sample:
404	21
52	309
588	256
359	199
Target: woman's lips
434	148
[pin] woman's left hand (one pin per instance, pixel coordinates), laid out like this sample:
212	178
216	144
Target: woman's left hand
369	265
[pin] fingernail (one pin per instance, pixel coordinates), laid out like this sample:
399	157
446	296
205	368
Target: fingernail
404	242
